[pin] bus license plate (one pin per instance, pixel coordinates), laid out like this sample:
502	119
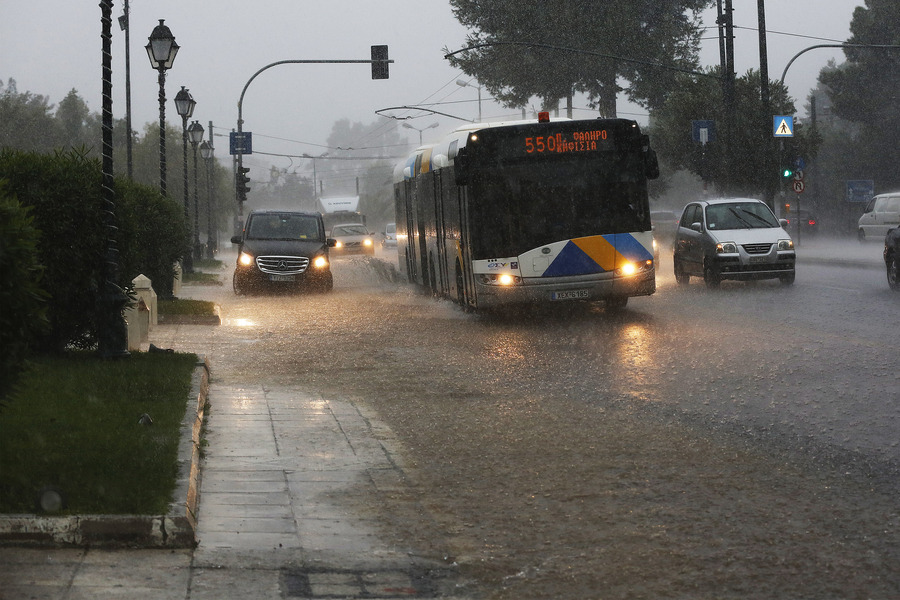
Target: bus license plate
281	277
569	295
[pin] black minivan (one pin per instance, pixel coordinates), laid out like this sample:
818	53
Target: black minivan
280	249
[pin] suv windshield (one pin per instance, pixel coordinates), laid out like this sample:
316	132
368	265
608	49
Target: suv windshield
740	215
283	226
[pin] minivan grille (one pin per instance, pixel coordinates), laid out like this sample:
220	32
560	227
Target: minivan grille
757	248
282	265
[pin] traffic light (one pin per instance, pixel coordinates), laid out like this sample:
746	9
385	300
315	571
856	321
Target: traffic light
787	172
380	62
241	180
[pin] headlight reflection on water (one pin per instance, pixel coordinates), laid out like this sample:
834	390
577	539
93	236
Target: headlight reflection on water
241	322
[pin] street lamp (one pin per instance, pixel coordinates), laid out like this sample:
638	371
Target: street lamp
162	50
462	83
408	126
124	26
184	105
195	133
212	242
315	183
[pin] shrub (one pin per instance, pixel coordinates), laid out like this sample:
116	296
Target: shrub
64	194
22	301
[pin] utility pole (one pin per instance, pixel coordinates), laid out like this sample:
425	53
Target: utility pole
764	96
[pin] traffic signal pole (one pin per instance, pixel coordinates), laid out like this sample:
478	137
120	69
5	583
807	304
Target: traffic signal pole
380	70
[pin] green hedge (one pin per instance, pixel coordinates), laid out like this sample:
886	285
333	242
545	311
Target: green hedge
22	301
63	193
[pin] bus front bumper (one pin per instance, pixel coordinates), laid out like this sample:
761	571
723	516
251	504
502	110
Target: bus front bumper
542	290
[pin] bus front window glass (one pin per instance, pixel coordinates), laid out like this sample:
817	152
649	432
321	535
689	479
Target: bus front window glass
526	206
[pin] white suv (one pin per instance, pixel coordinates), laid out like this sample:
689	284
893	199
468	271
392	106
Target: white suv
732	238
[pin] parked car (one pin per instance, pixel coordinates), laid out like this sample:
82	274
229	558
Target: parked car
732	238
802	221
892	257
390	236
882	213
352	238
282	250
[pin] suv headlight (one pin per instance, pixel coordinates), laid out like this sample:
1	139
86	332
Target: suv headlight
726	248
785	244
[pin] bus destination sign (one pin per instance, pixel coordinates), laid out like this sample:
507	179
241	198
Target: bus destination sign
575	141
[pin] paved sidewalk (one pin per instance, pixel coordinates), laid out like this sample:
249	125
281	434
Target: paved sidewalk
285	483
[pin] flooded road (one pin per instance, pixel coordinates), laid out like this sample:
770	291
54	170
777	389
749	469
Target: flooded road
732	443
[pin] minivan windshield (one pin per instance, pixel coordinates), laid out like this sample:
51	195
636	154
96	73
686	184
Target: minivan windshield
283	226
740	215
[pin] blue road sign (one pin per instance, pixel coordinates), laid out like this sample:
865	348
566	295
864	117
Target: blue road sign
703	131
860	190
783	126
240	142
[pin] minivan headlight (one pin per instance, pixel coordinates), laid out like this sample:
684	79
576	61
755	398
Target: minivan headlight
785	244
320	262
245	259
726	248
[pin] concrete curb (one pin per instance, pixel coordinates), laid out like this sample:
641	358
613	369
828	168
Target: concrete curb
175	529
189	320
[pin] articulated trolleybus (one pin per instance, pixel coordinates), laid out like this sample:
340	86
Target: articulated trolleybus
529	212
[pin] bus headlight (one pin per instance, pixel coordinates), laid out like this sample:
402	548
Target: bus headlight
245	259
630	268
502	279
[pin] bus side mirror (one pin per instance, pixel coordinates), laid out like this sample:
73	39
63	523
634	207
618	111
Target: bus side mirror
461	167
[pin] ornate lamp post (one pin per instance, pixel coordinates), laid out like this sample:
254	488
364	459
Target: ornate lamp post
195	133
184	105
162	50
212	242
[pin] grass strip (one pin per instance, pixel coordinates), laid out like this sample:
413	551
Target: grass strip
73	423
180	306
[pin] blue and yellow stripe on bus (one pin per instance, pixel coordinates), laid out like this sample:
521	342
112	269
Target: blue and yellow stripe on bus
597	254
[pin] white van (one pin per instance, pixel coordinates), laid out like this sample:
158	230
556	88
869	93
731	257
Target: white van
882	213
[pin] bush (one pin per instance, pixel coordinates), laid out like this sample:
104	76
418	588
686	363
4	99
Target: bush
22	301
64	194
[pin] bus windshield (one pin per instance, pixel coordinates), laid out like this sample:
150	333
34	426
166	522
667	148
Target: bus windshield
524	206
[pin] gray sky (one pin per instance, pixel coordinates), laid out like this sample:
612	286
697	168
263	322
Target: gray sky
52	46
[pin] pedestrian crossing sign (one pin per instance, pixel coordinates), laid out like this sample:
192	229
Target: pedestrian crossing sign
783	126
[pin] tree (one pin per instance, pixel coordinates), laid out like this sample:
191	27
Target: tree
864	89
744	171
26	122
74	120
634	35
